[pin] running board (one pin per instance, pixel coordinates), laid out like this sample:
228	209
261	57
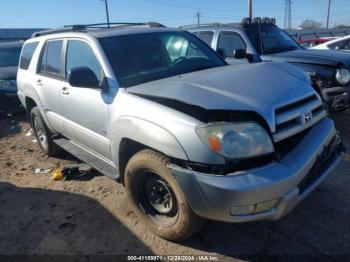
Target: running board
84	155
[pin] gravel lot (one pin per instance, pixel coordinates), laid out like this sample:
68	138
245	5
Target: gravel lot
90	215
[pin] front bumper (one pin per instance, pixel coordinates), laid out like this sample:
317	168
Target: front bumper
9	102
283	184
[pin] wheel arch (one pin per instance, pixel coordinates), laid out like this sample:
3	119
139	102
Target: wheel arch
131	135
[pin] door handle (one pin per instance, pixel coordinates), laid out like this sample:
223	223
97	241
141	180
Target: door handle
65	91
39	82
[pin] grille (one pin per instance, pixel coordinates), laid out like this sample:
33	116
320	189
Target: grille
296	117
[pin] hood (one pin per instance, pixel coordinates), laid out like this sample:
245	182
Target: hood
8	73
312	56
260	88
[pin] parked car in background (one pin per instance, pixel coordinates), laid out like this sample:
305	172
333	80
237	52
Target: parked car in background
311	42
261	40
189	136
342	44
9	57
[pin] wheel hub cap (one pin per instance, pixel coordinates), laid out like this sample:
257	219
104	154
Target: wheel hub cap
159	195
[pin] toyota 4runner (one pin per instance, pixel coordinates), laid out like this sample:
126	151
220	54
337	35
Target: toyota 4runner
261	40
189	136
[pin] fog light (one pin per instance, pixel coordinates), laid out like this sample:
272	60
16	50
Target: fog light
242	210
265	206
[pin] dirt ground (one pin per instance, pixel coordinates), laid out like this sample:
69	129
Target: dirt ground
90	216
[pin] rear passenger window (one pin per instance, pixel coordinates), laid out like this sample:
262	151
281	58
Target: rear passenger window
79	54
228	42
206	36
27	54
50	63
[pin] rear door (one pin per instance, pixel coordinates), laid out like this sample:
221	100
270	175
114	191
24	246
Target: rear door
85	109
49	79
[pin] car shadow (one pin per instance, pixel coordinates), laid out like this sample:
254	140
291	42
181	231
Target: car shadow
40	221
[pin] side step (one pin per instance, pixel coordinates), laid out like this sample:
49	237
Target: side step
84	155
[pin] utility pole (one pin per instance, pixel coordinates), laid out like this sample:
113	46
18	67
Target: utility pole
107	12
250	9
329	10
198	18
288	14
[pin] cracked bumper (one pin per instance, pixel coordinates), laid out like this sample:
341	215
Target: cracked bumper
269	192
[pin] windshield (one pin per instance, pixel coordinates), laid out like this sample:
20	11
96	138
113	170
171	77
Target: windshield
140	58
9	57
274	40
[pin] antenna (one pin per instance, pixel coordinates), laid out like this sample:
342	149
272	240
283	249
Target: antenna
288	14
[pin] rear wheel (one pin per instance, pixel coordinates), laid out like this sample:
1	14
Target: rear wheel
42	133
157	199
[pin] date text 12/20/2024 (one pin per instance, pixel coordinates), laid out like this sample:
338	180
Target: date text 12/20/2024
173	258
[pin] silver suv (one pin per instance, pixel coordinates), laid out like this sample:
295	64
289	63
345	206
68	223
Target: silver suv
189	136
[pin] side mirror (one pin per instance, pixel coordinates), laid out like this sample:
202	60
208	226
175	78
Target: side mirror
239	53
83	77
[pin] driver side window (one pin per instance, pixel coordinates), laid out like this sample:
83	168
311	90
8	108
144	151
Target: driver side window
79	54
230	41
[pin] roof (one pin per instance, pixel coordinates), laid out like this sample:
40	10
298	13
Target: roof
108	32
227	25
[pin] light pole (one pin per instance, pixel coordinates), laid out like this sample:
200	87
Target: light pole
107	12
250	9
198	18
329	10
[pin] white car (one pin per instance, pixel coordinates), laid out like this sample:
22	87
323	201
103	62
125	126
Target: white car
342	44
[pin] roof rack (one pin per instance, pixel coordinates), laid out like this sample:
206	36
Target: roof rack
202	25
83	28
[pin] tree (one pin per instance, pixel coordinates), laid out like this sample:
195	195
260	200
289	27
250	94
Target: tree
310	24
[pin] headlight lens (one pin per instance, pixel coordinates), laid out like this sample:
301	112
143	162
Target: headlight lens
343	76
236	140
7	84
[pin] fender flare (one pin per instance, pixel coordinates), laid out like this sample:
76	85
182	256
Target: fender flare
146	133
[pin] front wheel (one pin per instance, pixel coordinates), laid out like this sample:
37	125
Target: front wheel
157	199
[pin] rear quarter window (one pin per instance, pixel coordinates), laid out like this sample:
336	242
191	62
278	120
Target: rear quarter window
51	57
27	54
206	36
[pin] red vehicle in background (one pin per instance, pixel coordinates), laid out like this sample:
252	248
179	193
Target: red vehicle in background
311	42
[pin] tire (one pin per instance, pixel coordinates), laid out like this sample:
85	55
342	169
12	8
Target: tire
42	133
175	221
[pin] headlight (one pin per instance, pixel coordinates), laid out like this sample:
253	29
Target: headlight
343	76
8	84
236	140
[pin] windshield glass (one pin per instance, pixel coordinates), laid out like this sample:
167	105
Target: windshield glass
9	57
274	40
140	58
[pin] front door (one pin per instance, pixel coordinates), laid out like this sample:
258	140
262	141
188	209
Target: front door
228	42
85	109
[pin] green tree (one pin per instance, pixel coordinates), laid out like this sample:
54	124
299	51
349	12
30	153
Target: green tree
310	24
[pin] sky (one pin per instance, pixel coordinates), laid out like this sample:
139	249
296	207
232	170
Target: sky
56	13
